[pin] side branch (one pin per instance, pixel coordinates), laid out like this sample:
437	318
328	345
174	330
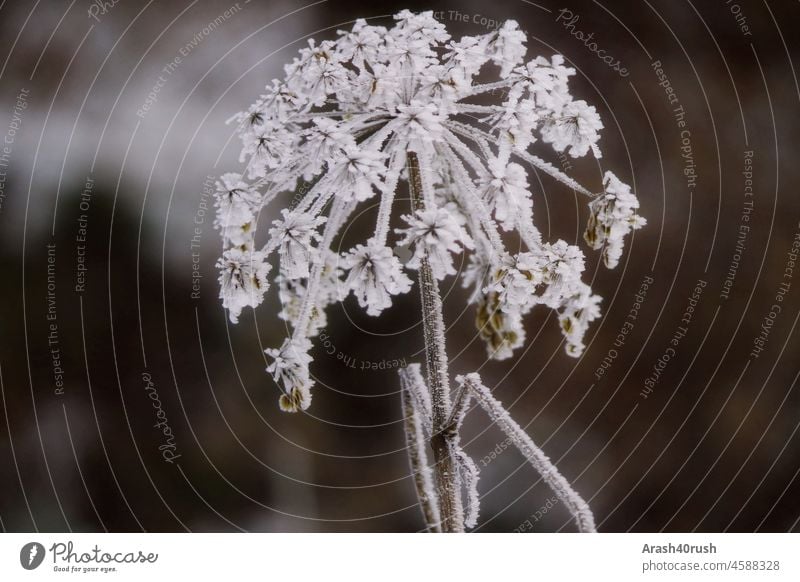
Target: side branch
535	456
423	479
477	135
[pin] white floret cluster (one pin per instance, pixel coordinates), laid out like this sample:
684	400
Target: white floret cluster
342	126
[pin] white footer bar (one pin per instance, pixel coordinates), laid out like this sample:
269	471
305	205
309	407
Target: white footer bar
401	557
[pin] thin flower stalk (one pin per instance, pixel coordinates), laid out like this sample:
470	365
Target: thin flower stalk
418	459
584	519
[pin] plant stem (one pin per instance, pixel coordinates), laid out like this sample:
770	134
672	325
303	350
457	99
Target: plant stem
423	480
446	476
534	455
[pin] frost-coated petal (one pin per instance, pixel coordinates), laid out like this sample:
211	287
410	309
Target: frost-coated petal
290	368
576	315
243	280
296	234
508	188
434	233
613	215
375	275
575	129
507	48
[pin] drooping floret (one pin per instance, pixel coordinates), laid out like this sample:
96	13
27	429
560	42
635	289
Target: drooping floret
290	367
613	215
243	279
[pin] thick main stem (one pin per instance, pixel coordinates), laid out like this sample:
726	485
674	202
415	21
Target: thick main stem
446	476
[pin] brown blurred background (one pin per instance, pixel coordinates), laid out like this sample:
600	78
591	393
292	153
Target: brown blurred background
713	446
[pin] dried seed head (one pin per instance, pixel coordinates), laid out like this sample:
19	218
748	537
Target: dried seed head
337	130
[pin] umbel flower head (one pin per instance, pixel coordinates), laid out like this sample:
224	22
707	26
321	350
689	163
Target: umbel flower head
341	128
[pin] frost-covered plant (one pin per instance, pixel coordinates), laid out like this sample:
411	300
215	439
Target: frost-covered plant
352	118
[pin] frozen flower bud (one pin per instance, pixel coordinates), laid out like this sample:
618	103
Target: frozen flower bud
563	267
501	329
237	206
296	234
508	189
543	81
357	173
278	104
515	288
361	44
413	53
546	275
290	369
421	25
467	55
418	121
517	122
325	140
507	47
265	148
375	275
549	275
436	234
613	215
442	85
236	202
576	315
575	129
376	86
243	280
318	73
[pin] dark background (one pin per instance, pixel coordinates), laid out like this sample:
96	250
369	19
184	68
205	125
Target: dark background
714	447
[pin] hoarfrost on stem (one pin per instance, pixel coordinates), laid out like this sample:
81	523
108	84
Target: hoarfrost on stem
579	509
